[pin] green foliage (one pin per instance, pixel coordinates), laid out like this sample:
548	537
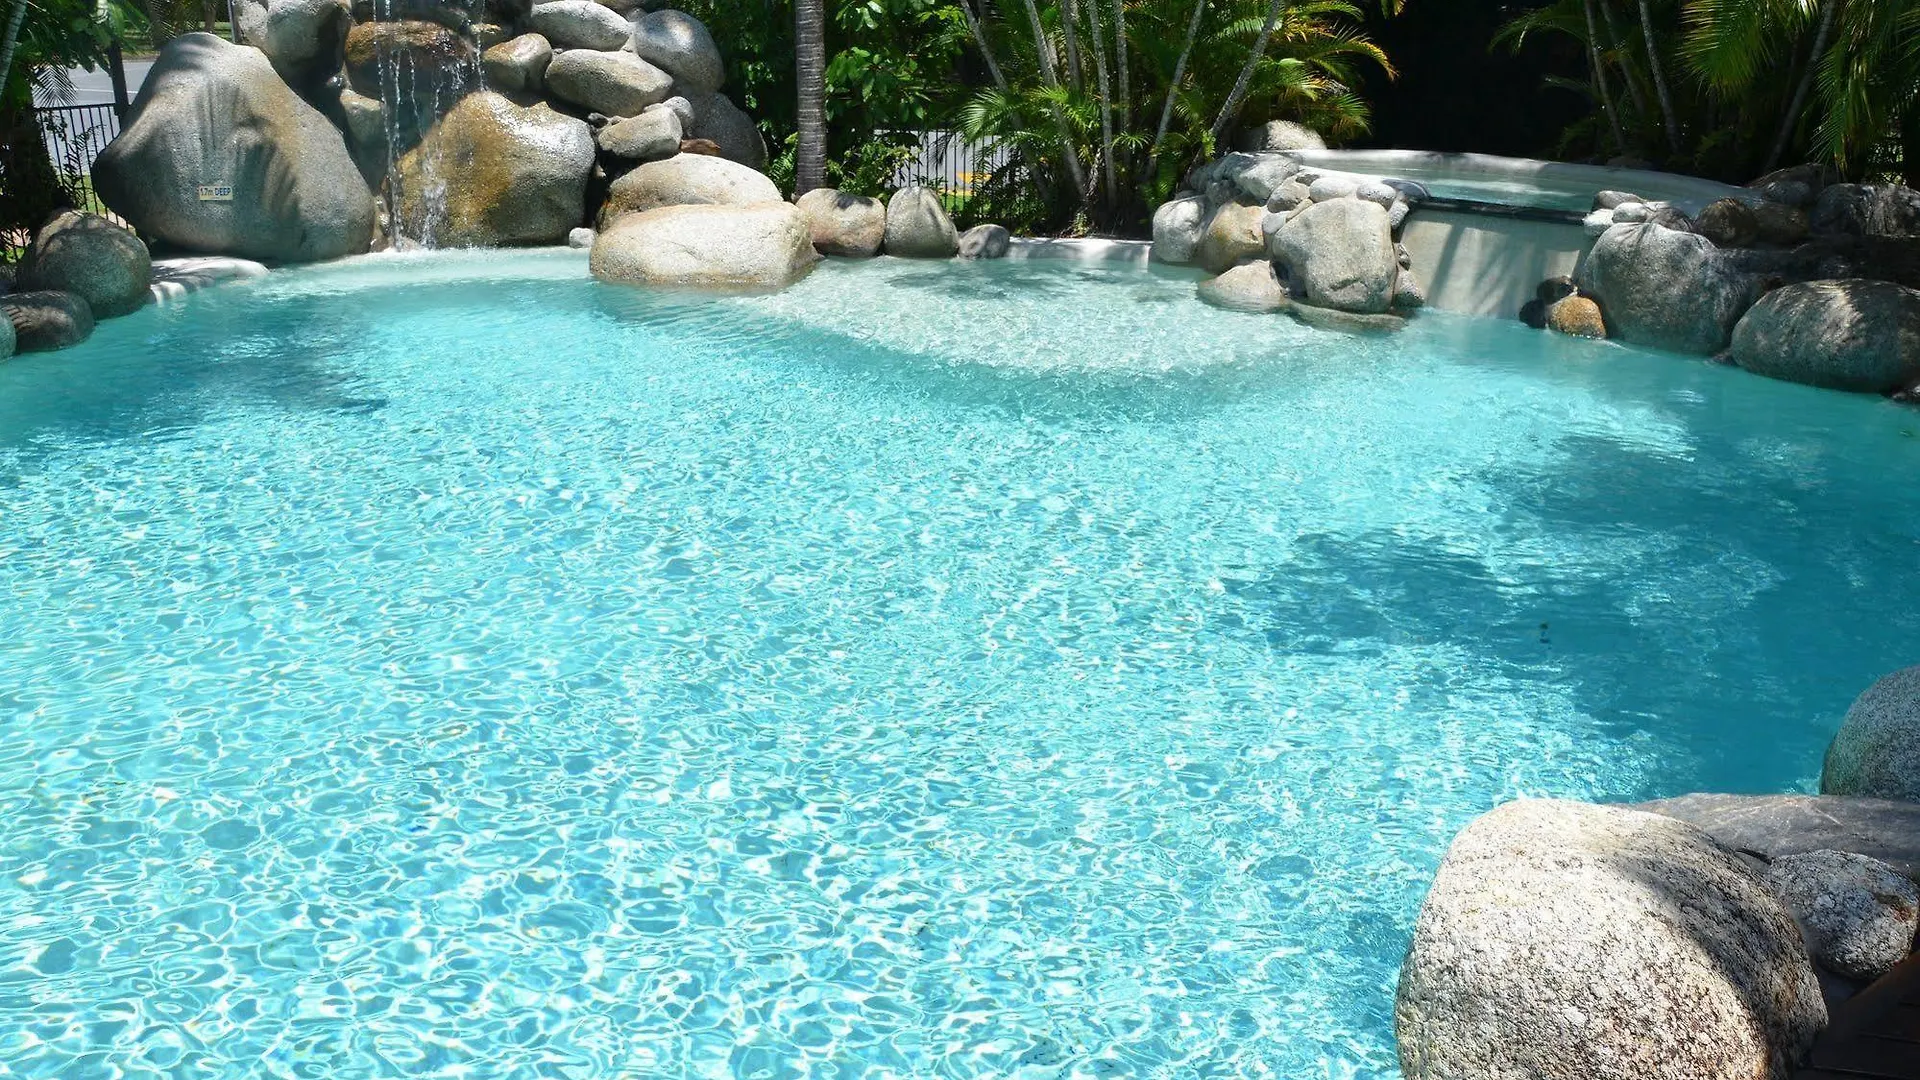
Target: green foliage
1051	130
890	73
1755	83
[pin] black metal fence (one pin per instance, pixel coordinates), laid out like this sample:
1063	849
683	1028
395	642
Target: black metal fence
75	135
33	182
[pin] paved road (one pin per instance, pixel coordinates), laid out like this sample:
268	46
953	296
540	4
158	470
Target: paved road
96	88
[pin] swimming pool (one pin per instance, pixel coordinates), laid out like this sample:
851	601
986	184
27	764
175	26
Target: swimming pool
447	666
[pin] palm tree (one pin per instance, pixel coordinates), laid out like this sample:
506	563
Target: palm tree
1600	77
1659	79
1230	109
810	67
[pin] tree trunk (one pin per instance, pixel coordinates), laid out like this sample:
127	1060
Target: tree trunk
1120	51
1173	88
8	43
810	66
1070	37
1626	70
1659	80
1052	78
1230	110
1106	102
1792	119
976	27
1600	80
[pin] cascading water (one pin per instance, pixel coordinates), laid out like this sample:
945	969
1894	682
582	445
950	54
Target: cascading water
425	67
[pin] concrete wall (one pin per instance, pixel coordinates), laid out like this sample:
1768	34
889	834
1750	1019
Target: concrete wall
1478	264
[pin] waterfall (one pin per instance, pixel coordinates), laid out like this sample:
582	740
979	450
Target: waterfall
417	88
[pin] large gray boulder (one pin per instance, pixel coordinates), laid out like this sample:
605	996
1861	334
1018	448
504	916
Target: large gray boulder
653	135
678	44
1563	941
1867	210
614	83
1252	286
1667	289
1845	335
767	246
1177	228
46	320
7	342
579	24
91	257
843	224
423	53
217	155
1340	255
423	56
493	174
918	226
986	242
1876	754
1775	826
1265	175
687	180
518	65
720	122
305	40
1231	237
1282	135
1859	915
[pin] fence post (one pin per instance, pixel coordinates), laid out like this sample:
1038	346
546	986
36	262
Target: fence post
117	71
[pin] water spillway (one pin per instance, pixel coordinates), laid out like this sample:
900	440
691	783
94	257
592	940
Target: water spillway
1495	227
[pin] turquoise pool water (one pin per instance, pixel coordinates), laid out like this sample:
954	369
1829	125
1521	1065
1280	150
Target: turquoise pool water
450	667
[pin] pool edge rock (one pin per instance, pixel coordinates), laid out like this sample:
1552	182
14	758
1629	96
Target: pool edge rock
1565	941
768	246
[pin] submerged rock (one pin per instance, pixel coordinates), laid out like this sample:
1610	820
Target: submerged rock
218	155
614	83
766	246
1252	286
679	44
1844	335
1859	914
91	257
1563	941
174	278
1177	227
1340	255
918	226
1876	753
842	224
1666	289
687	180
46	320
494	174
986	242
